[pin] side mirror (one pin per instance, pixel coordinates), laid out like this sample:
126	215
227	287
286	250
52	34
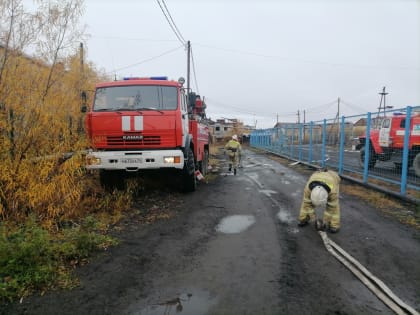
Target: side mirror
83	96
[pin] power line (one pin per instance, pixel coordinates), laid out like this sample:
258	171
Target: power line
361	109
133	38
195	75
313	62
171	24
244	111
149	59
318	107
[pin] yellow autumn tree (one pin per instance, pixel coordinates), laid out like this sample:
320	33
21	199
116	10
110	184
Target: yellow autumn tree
41	78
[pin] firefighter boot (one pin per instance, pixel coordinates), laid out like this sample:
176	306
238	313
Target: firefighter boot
333	229
304	221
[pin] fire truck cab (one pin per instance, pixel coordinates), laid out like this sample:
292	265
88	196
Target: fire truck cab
138	124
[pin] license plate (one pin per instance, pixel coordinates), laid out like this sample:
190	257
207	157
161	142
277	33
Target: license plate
132	160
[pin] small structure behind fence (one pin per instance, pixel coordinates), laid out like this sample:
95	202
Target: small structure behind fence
338	144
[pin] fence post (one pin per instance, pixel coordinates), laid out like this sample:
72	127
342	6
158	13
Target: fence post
324	140
292	142
405	165
311	126
341	152
300	141
367	150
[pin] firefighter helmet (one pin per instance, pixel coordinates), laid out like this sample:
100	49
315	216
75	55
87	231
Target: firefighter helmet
319	196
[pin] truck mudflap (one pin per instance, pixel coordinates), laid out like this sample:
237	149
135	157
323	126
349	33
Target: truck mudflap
134	160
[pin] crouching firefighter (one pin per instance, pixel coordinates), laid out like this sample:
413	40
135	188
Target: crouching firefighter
233	147
321	190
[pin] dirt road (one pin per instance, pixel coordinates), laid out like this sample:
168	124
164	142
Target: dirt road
233	247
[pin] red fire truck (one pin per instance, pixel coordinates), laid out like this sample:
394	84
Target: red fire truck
139	124
387	142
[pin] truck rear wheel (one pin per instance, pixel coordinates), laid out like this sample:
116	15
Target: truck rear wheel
188	173
204	164
372	158
416	165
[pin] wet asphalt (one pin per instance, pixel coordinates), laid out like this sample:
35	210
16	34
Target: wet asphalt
257	261
234	248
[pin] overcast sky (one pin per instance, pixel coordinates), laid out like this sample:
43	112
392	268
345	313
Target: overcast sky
264	60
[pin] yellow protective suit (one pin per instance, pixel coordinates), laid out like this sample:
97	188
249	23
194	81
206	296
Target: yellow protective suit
331	181
233	149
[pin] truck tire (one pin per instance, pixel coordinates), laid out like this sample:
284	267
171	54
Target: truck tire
204	164
111	180
416	165
188	173
398	166
372	158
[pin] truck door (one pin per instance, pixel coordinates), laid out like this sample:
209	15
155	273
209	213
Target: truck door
399	134
184	117
384	138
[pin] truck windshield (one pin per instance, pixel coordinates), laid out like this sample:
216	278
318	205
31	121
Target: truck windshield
136	97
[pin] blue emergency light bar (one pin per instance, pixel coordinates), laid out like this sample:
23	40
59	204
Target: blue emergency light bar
146	78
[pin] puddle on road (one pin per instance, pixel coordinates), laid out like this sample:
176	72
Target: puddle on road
185	304
235	224
284	217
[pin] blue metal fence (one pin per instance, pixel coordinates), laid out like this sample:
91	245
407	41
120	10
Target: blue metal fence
335	143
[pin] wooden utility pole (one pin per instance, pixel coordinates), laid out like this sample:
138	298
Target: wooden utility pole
82	75
81	59
188	66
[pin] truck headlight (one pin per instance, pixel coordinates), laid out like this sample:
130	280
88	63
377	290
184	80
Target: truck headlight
172	159
92	160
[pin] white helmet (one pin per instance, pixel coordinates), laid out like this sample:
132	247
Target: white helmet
235	137
319	196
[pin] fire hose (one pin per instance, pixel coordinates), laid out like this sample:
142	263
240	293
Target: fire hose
368	279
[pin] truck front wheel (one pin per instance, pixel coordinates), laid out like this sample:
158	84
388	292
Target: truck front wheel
372	158
188	173
111	180
416	165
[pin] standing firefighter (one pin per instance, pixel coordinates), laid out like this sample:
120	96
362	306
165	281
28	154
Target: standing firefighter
234	151
322	189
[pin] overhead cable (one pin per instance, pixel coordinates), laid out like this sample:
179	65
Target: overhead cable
318	107
353	106
171	23
313	62
149	59
195	75
244	111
